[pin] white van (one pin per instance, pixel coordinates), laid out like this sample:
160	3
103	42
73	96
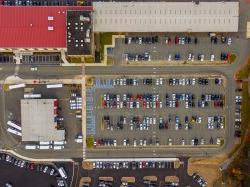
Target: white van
43	147
31	147
45	143
62	173
60	142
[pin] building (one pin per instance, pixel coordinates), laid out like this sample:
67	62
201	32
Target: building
165	16
79	33
38	120
35	27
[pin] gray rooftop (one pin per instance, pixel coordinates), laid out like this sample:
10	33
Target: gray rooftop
37	119
166	16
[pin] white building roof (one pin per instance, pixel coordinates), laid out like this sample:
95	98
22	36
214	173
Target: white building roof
166	17
37	119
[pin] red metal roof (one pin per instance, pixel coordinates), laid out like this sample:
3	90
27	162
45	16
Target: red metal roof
27	27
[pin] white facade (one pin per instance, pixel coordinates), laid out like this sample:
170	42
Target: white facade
165	17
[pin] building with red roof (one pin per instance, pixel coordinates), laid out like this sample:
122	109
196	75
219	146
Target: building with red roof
35	26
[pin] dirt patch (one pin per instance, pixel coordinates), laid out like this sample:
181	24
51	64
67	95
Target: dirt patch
174	179
206	167
87	165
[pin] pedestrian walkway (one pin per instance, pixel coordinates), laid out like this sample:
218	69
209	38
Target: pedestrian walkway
91	125
103	84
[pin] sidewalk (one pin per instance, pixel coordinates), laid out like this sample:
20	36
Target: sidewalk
18	80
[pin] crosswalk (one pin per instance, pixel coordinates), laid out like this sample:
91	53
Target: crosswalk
104	84
90	117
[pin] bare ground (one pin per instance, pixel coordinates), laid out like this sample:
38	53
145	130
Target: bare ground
206	167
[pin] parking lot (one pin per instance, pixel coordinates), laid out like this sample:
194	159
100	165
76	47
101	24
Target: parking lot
158	111
169	48
23	173
66	116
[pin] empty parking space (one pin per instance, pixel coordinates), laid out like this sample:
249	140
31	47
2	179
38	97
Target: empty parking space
41	59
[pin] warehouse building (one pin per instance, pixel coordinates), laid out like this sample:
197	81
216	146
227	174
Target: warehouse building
166	16
35	28
38	120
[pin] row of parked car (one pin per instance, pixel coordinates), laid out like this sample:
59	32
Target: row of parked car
199	179
216	122
137	57
237	125
195	141
132	165
141	40
131	101
224	39
159	81
200	57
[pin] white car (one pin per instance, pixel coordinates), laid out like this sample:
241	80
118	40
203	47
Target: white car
193	81
154	121
192	142
117	97
212	57
160	104
60	183
202	57
218	141
202	141
135	143
161	81
33	69
170	141
53	171
229	41
157	82
115	142
169	57
137	104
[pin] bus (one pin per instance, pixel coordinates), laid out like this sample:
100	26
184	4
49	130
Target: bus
59	142
31	96
14	86
15	126
62	173
31	147
13	131
43	147
54	85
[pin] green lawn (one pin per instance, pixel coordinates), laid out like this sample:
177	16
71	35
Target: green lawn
244	71
90	142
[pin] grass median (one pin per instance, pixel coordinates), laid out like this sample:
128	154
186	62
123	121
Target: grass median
105	39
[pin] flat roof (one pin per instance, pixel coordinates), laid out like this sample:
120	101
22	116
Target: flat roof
38	121
165	16
32	27
248	29
78	40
